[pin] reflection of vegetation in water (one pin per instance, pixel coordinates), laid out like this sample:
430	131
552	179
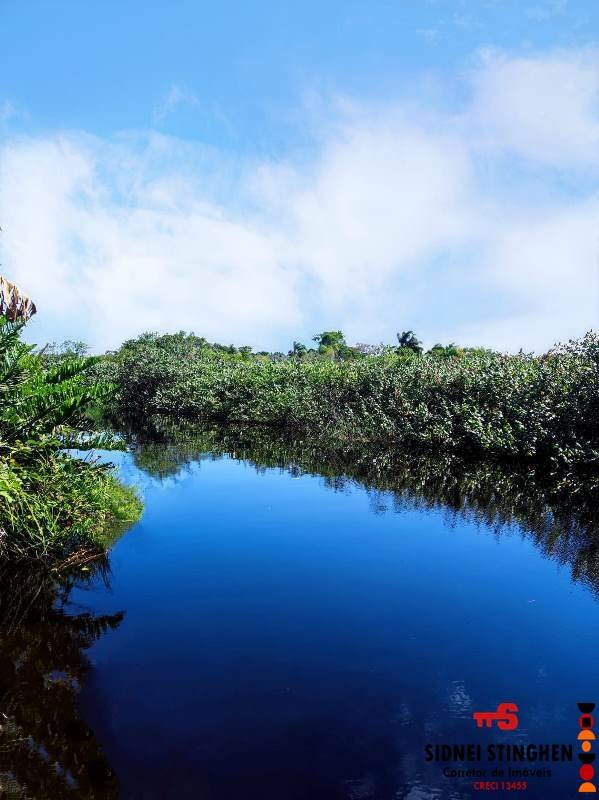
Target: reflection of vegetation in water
560	513
46	750
164	459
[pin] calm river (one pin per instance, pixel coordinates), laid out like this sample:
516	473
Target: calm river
277	628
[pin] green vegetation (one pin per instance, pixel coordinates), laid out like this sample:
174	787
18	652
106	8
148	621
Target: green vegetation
540	409
52	505
408	340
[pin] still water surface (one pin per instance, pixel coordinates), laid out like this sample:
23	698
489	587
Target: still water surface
272	634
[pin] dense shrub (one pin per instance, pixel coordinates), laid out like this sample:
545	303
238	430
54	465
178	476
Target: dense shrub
527	407
51	504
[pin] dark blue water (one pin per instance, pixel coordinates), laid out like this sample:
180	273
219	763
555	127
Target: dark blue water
267	633
285	640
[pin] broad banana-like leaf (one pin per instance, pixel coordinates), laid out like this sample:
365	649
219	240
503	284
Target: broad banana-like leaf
13	303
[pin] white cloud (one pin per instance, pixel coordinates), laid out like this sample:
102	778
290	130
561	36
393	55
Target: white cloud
156	256
398	217
547	266
541	108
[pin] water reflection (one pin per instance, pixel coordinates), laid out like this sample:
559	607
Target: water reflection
287	652
559	512
46	749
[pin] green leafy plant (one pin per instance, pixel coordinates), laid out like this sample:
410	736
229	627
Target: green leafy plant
542	409
51	503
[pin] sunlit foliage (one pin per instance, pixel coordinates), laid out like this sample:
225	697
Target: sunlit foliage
524	407
51	503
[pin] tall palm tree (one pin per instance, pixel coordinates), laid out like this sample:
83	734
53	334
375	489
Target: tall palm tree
408	340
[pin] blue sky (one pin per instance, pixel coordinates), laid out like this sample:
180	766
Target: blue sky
260	171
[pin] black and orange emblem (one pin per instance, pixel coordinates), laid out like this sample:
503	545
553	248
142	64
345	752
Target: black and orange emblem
586	737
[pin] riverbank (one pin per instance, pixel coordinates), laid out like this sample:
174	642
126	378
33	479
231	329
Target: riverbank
59	506
53	505
534	412
525	408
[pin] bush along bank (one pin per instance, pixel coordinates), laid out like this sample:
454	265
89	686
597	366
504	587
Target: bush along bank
542	409
53	506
